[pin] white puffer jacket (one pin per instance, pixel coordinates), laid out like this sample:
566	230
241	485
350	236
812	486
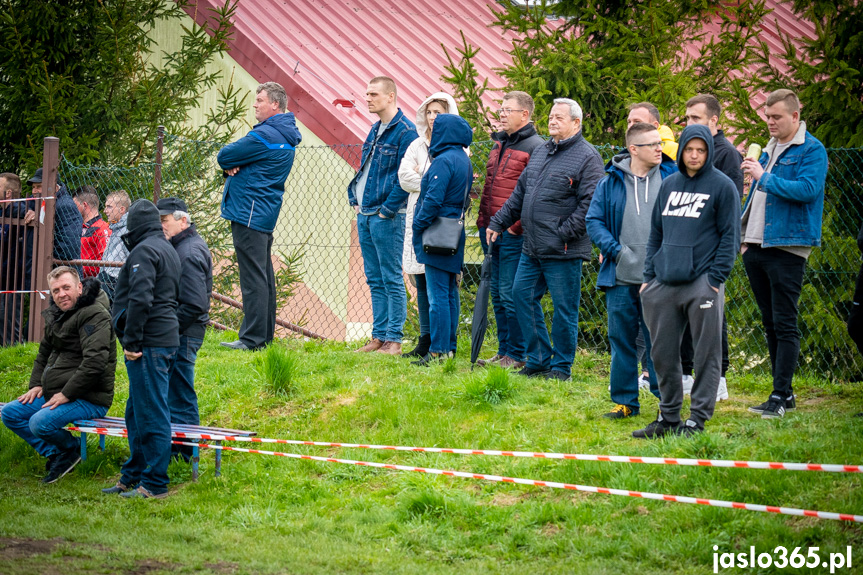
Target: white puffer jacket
414	165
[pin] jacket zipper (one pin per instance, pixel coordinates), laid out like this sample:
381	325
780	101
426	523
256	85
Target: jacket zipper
252	211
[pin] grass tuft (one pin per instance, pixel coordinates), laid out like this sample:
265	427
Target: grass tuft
425	504
280	370
496	387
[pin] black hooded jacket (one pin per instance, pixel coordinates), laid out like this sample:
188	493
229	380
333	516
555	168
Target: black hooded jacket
695	227
145	300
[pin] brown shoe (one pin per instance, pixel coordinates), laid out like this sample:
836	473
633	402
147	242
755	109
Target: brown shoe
391	348
510	363
490	361
374	344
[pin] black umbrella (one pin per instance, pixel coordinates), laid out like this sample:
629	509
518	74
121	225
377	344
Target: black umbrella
480	310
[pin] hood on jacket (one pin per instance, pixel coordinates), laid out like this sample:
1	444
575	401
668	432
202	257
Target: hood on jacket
452	131
143	221
286	125
692	132
421	123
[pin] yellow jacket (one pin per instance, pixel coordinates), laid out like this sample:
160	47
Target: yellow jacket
669	146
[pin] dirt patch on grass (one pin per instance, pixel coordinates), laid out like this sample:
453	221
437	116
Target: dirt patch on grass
12	548
32	556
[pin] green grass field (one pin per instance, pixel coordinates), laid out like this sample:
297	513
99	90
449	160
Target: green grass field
276	515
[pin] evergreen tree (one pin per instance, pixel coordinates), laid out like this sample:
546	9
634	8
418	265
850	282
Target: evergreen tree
79	70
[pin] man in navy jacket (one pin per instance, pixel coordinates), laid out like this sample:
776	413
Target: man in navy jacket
781	225
694	235
256	167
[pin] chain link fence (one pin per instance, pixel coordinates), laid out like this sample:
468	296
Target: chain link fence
320	274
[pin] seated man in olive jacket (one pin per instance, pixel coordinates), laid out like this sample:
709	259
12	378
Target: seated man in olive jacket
73	376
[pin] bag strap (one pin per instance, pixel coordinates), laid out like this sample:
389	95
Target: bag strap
464	199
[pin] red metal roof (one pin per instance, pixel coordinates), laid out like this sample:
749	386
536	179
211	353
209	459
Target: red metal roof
324	52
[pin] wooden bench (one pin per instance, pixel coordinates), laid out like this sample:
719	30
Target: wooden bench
119	424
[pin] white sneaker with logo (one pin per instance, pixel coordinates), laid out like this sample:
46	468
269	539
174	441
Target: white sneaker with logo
688	382
722	390
643	382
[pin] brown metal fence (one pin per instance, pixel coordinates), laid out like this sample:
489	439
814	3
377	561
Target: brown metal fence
322	290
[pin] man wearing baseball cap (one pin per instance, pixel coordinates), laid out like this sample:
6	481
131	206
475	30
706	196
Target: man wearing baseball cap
193	307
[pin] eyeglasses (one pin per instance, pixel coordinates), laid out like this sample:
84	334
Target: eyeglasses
654	145
508	111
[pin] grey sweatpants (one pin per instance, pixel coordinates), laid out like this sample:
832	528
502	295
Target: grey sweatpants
667	310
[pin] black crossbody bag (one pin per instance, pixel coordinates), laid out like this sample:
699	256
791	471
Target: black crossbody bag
444	235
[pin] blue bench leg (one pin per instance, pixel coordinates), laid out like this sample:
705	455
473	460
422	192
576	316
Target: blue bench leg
102	442
83	446
218	460
195	460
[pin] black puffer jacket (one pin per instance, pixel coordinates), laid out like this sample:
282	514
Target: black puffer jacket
551	199
196	282
78	355
145	299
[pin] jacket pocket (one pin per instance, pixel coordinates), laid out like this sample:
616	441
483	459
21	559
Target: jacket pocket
629	265
673	264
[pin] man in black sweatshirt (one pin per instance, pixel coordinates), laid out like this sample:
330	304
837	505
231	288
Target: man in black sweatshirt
144	314
695	231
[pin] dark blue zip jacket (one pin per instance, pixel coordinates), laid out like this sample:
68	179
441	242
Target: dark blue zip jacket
265	156
444	187
605	216
695	228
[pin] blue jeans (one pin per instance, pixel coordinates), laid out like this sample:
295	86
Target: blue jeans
43	428
182	399
443	309
148	419
381	242
562	279
625	317
506	253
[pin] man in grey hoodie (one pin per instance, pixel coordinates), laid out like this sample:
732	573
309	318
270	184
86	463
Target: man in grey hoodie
618	222
694	235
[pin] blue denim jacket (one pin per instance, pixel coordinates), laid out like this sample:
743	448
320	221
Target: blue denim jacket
795	193
383	194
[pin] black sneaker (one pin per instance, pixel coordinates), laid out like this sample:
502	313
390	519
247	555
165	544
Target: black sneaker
116	489
689	429
620	412
775	408
656	429
790	404
557	374
530	372
62	464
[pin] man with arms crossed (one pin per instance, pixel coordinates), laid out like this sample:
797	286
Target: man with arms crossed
256	168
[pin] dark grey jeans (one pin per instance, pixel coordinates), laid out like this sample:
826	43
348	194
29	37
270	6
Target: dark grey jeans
667	310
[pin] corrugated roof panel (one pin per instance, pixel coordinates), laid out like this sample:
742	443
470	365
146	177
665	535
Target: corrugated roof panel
324	50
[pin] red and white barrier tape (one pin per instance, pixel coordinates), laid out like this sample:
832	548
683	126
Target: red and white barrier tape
553	484
42	293
828	467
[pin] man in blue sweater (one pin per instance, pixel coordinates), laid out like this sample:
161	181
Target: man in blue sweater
256	167
693	242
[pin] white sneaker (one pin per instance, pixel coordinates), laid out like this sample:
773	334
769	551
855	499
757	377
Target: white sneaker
643	382
722	390
688	382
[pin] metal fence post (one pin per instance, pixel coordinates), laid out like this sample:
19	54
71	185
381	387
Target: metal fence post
157	176
43	237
